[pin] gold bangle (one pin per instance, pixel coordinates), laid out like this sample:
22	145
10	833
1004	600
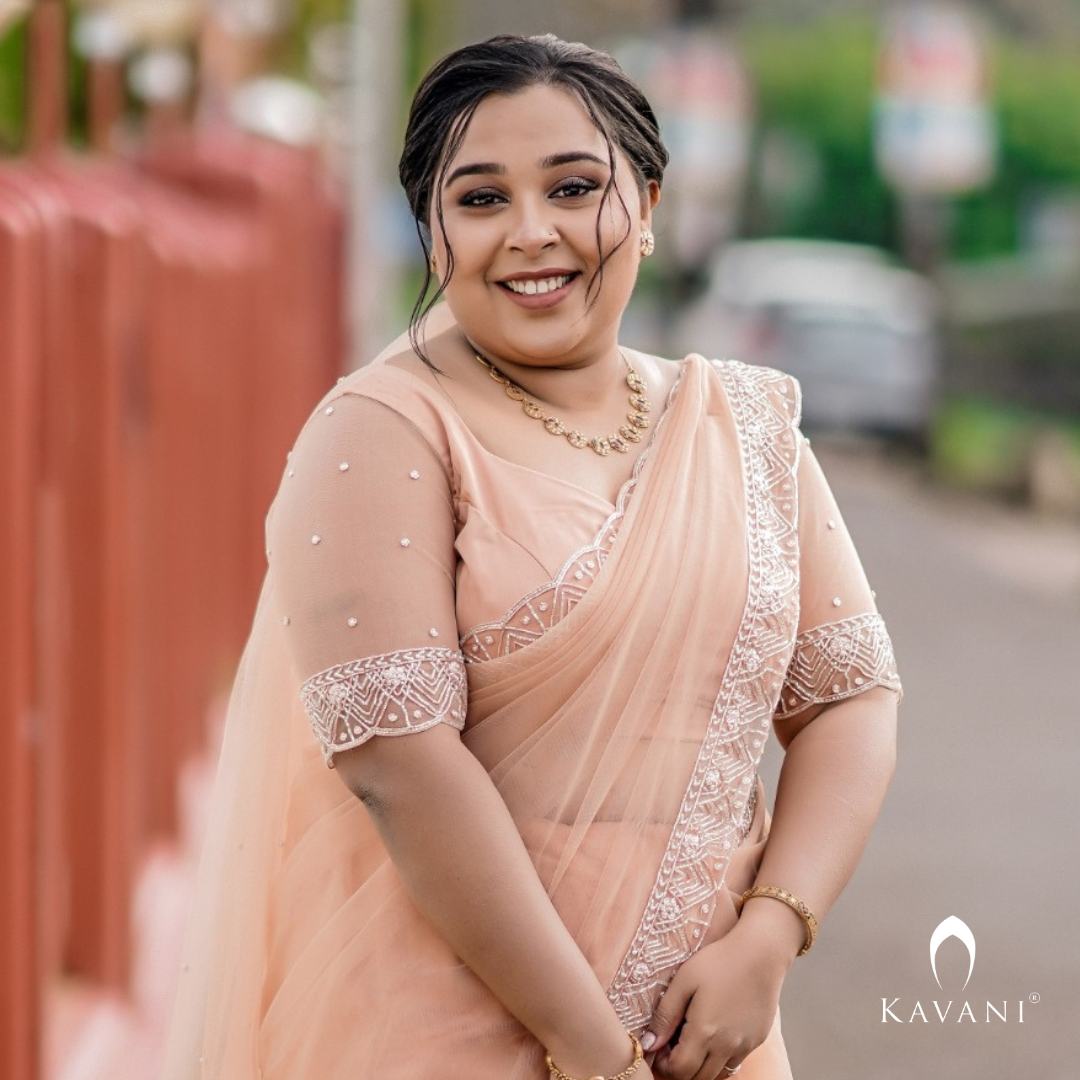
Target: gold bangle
639	1054
792	902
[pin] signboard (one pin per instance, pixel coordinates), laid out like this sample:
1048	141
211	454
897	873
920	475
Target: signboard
935	132
699	87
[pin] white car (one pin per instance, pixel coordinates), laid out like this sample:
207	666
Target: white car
859	333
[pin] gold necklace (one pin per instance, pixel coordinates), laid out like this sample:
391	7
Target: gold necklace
628	433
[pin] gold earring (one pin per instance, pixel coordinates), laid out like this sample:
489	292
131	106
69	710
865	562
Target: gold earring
431	263
647	243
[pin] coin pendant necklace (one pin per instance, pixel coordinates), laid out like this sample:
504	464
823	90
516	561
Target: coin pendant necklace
628	433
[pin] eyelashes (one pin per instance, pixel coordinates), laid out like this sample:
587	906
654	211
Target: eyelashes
577	187
481	197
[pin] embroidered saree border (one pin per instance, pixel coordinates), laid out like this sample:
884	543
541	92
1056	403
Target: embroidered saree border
712	819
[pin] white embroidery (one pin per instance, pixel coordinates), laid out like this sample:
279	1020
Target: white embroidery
717	807
837	661
538	612
395	693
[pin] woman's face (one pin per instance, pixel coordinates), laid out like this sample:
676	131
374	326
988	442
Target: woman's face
521	207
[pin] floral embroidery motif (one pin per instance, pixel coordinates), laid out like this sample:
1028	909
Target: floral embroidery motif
538	612
395	693
717	807
837	661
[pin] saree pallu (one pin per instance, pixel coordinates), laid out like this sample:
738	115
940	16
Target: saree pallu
625	741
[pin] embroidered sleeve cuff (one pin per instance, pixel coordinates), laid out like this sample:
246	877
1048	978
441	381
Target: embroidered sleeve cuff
838	660
395	693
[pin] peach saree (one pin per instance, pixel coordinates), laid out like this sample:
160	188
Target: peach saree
616	669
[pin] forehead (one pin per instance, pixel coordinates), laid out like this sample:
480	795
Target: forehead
530	124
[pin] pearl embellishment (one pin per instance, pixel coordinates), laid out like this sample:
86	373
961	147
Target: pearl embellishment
405	541
415	474
316	539
352	620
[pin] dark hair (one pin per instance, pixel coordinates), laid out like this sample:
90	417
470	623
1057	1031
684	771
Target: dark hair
447	98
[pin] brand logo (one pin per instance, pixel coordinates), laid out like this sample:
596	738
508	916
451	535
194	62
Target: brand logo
952	927
957	928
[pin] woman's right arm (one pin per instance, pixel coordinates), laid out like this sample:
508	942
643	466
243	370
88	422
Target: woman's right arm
361	540
462	860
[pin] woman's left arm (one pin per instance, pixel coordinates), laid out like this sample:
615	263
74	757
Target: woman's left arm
833	781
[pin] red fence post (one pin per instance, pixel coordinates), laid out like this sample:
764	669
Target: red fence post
20	922
89	309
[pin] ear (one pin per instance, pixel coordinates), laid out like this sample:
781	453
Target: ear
650	197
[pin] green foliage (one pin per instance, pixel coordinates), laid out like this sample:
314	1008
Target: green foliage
817	81
1037	94
12	86
981	444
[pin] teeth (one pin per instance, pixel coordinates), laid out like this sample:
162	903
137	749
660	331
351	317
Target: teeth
534	287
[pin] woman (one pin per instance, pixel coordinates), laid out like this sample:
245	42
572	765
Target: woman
581	583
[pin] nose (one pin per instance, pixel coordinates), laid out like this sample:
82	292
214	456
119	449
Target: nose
531	231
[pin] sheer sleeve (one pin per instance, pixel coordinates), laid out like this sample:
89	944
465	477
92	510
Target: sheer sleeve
360	541
842	647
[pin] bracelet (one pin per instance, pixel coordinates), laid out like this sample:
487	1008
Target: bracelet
639	1054
792	902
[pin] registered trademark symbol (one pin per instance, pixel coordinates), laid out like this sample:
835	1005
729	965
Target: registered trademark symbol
1034	999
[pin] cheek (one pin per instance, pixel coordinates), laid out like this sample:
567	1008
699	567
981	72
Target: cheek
473	243
617	221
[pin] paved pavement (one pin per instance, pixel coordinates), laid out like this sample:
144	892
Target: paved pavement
981	822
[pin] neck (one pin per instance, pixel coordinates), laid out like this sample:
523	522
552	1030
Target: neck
574	388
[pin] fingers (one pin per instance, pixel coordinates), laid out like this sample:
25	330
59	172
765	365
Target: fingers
669	1013
710	1061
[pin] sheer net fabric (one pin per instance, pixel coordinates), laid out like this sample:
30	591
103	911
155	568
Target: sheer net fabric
842	648
362	543
624	736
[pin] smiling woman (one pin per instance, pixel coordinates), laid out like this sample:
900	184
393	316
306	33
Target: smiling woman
582	584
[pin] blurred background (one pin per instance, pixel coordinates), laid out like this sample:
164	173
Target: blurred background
200	229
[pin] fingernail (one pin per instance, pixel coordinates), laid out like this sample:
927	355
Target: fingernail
648	1041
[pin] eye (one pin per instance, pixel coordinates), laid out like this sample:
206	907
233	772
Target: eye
480	197
575	187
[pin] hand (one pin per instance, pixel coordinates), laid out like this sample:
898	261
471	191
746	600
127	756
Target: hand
721	1004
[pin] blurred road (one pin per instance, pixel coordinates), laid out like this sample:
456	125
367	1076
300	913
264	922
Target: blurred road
983	604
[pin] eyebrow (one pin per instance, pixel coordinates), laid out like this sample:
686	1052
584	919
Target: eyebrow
493	168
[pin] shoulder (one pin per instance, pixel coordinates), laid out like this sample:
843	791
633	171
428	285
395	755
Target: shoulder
758	388
396	391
